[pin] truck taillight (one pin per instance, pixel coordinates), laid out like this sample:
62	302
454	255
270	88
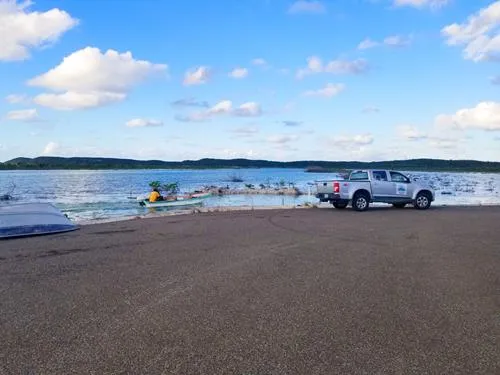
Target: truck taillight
336	187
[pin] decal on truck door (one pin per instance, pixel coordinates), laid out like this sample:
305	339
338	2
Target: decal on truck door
401	189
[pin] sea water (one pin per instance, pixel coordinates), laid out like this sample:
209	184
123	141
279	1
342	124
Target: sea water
105	194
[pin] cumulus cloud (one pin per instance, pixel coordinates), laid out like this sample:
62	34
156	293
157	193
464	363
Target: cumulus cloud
259	62
484	116
346	141
22	29
143	122
197	76
71	100
393	41
331	89
307	6
26	115
367	44
225	107
422	3
238	73
51	148
190	102
397	41
250	109
479	34
315	65
16	98
434	139
88	78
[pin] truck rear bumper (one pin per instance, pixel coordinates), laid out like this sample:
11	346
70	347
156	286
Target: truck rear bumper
328	197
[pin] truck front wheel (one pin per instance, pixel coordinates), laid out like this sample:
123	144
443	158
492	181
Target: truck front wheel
340	205
360	202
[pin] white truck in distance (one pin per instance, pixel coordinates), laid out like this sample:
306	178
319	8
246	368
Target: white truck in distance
366	186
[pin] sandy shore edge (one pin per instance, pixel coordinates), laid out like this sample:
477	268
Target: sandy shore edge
198	210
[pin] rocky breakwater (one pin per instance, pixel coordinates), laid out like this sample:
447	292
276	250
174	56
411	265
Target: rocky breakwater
226	190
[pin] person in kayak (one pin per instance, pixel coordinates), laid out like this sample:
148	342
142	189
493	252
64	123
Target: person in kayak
155	195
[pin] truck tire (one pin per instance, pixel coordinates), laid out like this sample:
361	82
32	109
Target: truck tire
422	201
399	205
340	205
360	201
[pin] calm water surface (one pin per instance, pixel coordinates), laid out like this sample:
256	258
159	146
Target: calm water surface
89	195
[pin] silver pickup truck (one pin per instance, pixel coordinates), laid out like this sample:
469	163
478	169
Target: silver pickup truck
366	186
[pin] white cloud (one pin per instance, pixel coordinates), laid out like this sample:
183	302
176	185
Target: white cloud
331	89
292	123
495	80
479	34
484	116
307	6
22	29
16	98
222	107
367	43
315	65
250	109
197	76
190	102
143	122
245	131
71	100
435	139
443	143
390	41
51	148
26	115
239	73
259	62
370	109
90	70
397	41
410	133
347	141
282	138
230	153
422	3
225	107
88	78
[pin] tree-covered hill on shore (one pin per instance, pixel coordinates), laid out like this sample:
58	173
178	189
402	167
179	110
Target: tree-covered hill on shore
47	163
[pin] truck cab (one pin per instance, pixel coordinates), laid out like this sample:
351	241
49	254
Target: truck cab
376	185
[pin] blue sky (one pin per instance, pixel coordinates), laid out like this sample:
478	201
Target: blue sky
270	79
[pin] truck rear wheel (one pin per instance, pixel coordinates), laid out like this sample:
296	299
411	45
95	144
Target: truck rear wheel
360	201
422	201
340	205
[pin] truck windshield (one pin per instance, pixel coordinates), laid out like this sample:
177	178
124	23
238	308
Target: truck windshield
357	176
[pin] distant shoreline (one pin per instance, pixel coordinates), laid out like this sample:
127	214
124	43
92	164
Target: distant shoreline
311	166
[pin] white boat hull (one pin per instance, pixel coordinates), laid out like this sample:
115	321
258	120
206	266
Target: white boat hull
176	203
29	219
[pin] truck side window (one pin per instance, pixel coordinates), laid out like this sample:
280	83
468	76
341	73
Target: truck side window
359	176
380	175
398	177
